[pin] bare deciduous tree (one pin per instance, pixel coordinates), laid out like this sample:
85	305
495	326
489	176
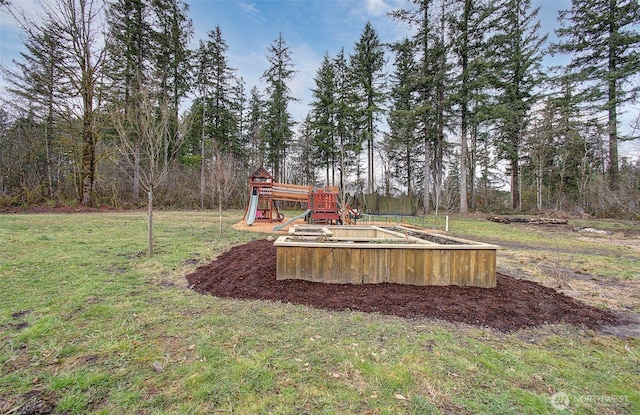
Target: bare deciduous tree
148	120
224	178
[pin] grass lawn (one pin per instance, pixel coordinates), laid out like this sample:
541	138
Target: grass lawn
90	324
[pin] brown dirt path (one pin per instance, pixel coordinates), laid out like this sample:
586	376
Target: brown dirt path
249	272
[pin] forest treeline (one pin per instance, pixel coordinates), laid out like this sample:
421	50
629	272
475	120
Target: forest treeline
460	113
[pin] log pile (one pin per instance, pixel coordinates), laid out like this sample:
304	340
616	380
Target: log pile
530	221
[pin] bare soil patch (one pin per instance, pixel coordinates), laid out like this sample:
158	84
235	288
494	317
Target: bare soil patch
249	272
56	209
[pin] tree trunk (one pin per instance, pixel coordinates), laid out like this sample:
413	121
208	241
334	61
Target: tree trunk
472	164
613	139
88	164
150	220
220	209
463	168
202	163
48	153
612	95
515	183
427	177
136	171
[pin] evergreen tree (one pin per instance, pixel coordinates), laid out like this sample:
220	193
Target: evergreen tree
278	121
219	121
255	124
237	113
469	28
348	118
172	59
323	116
518	47
428	50
37	85
129	47
367	66
402	142
603	39
303	169
129	50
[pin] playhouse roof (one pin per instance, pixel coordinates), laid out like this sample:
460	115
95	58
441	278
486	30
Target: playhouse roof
261	173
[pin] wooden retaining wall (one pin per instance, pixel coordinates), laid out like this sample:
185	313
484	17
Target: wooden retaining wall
418	264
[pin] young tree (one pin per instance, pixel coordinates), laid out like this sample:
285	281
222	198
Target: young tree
224	178
278	121
603	39
149	118
367	67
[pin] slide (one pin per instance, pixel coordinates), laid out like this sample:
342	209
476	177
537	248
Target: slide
253	207
284	225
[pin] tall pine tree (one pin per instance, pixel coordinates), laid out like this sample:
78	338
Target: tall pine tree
518	46
603	39
323	116
278	123
402	142
367	67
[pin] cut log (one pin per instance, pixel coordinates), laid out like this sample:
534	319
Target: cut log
548	221
532	221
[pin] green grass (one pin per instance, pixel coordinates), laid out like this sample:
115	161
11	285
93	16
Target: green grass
532	246
85	314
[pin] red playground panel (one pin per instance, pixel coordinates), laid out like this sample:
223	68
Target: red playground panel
324	206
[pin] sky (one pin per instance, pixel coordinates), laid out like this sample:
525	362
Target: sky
310	28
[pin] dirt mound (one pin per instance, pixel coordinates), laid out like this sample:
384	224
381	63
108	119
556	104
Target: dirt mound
249	272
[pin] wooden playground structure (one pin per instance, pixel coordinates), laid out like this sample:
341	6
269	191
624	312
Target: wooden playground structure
323	205
327	251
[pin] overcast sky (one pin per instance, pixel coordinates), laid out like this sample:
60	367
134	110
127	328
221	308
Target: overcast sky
309	27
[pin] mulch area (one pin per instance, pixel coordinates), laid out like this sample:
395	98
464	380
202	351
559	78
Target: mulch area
249	272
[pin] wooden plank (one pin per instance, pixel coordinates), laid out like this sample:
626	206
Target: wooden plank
487	268
338	275
380	262
418	265
365	265
280	262
459	267
441	270
410	266
354	266
317	265
327	265
397	272
305	266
